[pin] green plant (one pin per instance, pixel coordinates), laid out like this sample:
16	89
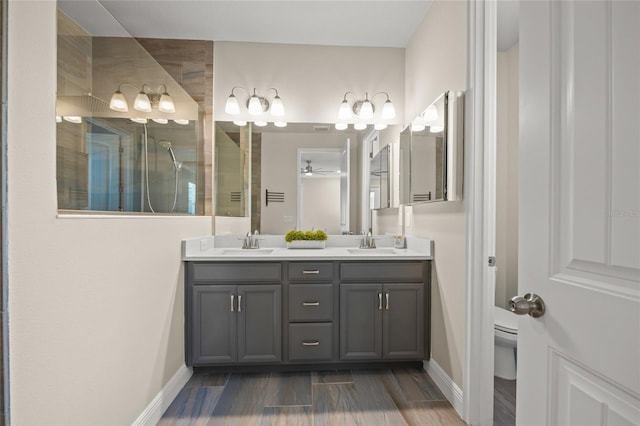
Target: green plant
308	235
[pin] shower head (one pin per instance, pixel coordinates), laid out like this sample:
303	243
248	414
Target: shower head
165	144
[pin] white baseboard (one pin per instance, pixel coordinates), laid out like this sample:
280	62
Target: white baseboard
447	386
153	412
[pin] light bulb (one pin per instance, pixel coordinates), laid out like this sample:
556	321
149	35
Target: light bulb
388	111
260	123
436	128
142	102
341	126
417	126
139	120
160	120
431	113
380	126
232	107
255	106
344	112
72	119
277	107
360	126
240	123
366	110
118	102
181	121
58	119
166	104
280	123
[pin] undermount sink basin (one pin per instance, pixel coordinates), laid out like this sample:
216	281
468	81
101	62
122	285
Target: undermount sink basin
247	252
373	252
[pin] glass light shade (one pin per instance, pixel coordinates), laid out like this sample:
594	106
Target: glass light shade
240	123
308	174
118	102
181	121
166	104
255	106
436	128
277	107
366	110
260	123
344	112
280	123
232	107
360	126
417	127
341	126
431	113
72	119
140	120
142	102
160	120
388	111
58	119
380	126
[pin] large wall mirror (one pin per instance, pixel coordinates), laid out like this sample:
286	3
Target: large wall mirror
431	150
304	176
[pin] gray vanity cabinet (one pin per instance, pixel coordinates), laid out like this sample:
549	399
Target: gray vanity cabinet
380	319
228	323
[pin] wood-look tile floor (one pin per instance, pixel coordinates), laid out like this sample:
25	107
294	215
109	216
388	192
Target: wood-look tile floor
504	402
355	397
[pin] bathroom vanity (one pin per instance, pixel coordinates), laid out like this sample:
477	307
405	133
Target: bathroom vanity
294	307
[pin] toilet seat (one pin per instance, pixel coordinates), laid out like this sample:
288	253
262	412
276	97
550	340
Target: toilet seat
505	321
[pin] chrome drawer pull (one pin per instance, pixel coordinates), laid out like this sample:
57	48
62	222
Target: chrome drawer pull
232	300
314	272
310	303
310	343
387	296
380	301
239	303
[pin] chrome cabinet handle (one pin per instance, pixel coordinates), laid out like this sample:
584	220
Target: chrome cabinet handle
313	272
531	304
387	297
232	300
310	303
310	343
380	301
239	303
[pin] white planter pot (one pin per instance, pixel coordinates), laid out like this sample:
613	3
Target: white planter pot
306	244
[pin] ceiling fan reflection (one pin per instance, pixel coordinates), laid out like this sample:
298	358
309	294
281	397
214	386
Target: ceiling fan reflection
308	170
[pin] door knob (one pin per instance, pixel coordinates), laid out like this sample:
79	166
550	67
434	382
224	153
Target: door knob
530	304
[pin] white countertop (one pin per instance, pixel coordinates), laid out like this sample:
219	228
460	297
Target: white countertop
273	248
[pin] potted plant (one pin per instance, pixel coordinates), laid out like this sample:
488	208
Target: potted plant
308	239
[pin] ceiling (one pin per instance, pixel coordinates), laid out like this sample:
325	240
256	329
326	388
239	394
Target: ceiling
326	22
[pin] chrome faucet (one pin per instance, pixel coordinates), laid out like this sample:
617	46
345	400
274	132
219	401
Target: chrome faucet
251	241
368	242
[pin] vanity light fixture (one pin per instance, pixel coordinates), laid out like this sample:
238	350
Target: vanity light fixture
365	108
416	126
139	120
240	123
72	119
360	126
160	120
58	119
341	126
380	126
260	123
436	128
280	123
256	104
145	100
181	121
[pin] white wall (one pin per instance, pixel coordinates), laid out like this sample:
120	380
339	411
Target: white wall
436	62
311	80
95	305
507	121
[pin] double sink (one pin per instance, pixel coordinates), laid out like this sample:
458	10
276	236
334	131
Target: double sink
268	251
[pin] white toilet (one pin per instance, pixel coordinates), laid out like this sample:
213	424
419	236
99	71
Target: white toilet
506	339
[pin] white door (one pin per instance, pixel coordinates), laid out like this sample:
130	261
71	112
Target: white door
579	364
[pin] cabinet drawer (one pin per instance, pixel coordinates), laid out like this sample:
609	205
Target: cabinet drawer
310	342
308	271
382	271
310	302
235	272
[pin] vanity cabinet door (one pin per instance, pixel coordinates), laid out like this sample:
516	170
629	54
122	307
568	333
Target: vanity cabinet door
360	321
403	321
214	325
259	323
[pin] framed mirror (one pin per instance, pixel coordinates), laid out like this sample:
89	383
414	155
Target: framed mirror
431	152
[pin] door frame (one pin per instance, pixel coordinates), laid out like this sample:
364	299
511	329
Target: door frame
480	148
